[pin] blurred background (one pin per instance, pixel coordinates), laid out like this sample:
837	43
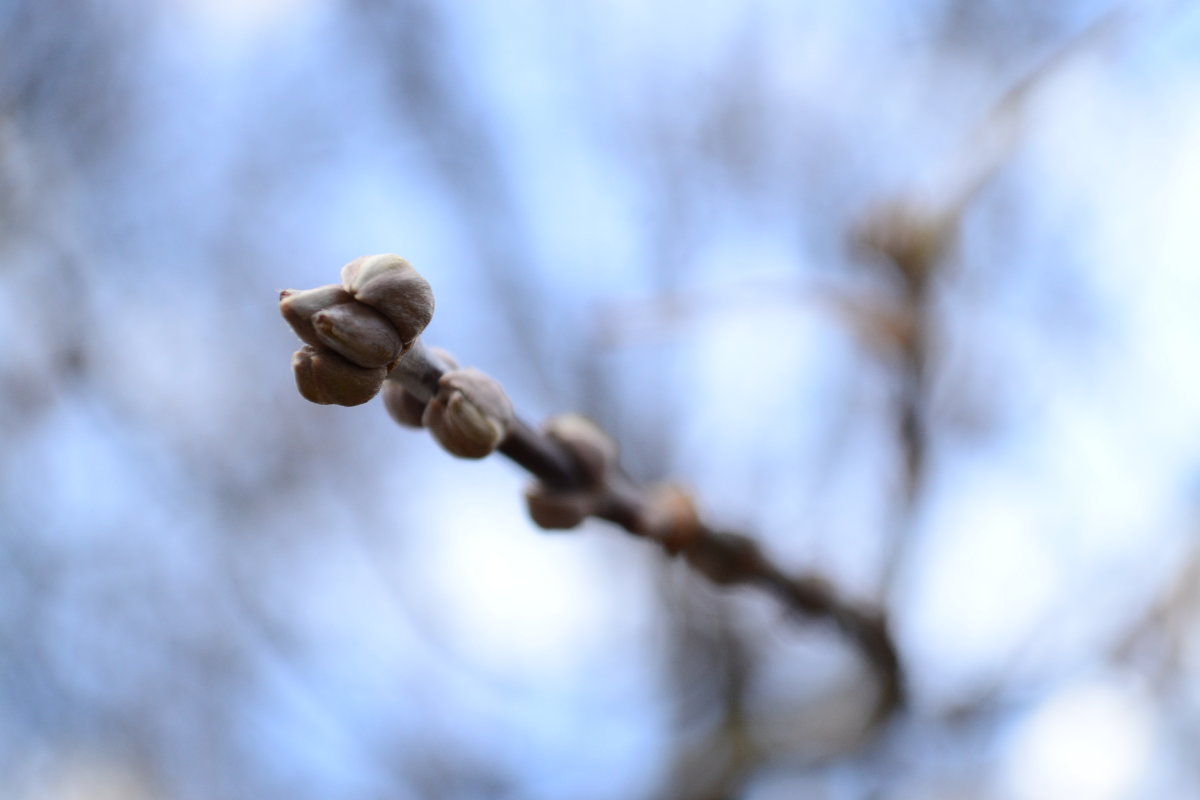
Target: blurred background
906	291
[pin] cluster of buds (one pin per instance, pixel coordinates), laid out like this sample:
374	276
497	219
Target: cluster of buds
664	513
595	454
356	334
362	336
469	414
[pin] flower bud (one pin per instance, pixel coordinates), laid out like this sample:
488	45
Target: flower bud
359	333
557	511
324	377
400	403
913	234
669	518
298	308
391	286
470	415
594	450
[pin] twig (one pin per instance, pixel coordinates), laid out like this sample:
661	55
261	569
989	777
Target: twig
725	558
573	462
914	232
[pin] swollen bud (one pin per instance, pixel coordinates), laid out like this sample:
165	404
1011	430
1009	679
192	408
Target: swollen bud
391	286
913	235
401	405
594	450
470	415
558	511
298	308
669	517
324	377
359	333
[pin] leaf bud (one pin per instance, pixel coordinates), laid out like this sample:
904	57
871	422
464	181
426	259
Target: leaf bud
913	234
470	415
558	511
358	333
391	286
324	377
669	517
403	407
594	450
299	306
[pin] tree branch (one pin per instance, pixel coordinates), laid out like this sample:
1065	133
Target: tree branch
573	462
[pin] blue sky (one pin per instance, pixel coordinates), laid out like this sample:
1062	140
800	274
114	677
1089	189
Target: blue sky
642	210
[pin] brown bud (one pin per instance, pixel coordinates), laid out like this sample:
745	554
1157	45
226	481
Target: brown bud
400	403
324	377
391	286
359	333
594	450
470	414
557	511
913	235
669	518
298	308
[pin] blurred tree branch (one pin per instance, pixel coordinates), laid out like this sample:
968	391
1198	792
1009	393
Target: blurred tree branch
915	232
575	463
